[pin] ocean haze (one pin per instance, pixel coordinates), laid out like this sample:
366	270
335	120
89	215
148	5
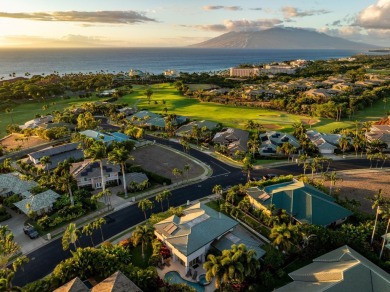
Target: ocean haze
152	60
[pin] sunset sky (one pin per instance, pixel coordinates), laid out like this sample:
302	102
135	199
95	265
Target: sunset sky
173	23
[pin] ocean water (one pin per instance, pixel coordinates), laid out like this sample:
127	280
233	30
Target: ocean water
152	60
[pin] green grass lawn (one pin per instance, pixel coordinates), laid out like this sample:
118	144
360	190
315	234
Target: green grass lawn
27	110
192	108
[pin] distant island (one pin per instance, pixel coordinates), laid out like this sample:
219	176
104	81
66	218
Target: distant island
282	38
380	50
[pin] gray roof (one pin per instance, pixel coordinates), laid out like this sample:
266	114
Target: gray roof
236	139
343	270
11	182
198	226
137	177
54	150
89	168
59	154
117	282
200	124
38	202
278	138
238	236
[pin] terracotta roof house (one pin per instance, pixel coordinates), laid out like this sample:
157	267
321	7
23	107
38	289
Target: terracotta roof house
303	202
341	270
11	183
40	203
190	236
234	139
74	285
87	173
57	154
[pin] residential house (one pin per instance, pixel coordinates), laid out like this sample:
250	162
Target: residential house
326	143
126	111
234	139
40	203
272	139
149	119
57	154
190	236
34	123
303	202
117	282
340	270
87	173
381	133
185	130
107	138
12	184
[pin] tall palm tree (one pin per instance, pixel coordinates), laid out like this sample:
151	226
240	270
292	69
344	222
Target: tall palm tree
97	224
386	215
98	152
333	178
377	201
71	235
160	198
166	194
88	229
143	234
120	156
343	143
247	166
214	269
45	161
145	205
217	190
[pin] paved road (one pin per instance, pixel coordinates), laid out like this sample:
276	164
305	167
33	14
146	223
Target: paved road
43	260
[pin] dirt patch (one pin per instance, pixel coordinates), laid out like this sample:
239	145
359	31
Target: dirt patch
360	186
162	161
271	126
15	140
310	121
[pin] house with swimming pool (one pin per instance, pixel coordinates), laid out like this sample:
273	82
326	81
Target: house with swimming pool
190	236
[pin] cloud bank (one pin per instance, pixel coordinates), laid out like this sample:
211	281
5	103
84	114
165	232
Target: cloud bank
241	25
291	12
375	16
219	7
112	17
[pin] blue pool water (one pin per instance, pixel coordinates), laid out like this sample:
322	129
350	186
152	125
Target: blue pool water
174	277
202	280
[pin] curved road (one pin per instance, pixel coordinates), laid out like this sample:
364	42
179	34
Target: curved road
43	260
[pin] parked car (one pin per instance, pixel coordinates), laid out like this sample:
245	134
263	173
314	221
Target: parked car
30	231
269	176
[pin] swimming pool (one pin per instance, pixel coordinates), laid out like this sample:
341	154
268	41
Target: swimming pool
174	277
202	280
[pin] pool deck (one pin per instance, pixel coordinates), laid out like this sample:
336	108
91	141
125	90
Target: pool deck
176	266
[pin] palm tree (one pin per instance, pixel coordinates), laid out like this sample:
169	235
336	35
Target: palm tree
71	235
120	156
143	234
332	177
386	215
217	190
214	269
377	201
303	159
45	161
287	148
97	224
186	169
145	205
343	143
66	181
88	229
247	166
160	198
166	194
284	236
98	152
177	172
148	93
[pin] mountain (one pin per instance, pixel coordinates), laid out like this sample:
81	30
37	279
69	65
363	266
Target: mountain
281	38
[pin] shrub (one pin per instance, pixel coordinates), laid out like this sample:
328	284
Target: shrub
9	202
44	222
